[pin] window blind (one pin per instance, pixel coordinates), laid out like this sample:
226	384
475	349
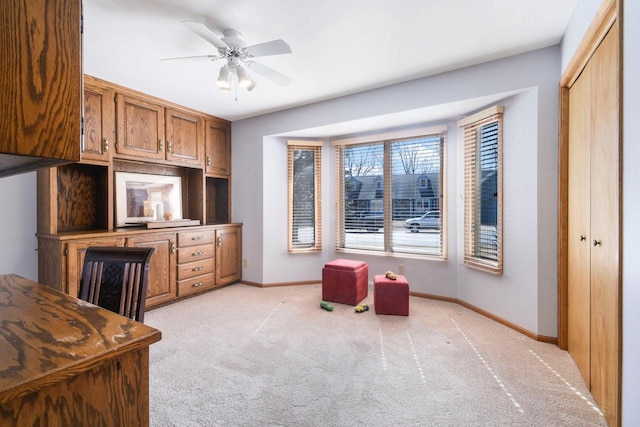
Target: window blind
483	190
304	196
383	185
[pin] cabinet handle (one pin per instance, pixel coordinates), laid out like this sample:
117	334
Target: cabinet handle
198	268
197	238
197	284
583	238
105	143
208	160
169	146
173	247
160	145
219	241
597	242
197	253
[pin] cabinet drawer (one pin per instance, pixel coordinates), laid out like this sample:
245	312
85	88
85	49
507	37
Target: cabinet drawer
193	238
195	253
196	268
195	284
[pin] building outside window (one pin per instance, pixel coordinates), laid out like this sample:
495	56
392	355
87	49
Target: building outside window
386	186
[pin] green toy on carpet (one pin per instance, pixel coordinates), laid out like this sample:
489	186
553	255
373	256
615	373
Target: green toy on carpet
326	306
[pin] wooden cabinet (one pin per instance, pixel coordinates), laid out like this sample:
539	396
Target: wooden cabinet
77	201
162	266
76	251
183	135
228	254
140	128
154	131
41	84
99	121
195	261
184	261
217	148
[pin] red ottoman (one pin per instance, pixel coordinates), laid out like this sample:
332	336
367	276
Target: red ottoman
391	296
345	281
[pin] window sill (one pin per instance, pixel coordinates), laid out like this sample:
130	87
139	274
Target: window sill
391	254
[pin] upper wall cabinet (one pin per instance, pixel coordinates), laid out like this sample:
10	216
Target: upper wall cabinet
140	128
183	136
40	83
152	131
217	148
99	121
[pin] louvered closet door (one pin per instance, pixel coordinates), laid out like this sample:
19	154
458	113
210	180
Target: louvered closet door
594	226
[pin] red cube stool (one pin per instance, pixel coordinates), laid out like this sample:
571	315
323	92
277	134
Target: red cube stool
391	296
345	281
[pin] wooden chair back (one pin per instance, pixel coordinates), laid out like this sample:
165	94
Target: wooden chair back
116	278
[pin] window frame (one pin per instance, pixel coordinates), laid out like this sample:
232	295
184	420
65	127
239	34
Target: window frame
472	126
316	147
387	138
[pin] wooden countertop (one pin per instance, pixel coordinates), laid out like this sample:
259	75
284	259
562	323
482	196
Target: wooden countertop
47	336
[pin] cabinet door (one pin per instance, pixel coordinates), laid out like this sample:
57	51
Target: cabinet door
75	260
162	266
41	102
99	122
228	255
183	134
217	148
140	128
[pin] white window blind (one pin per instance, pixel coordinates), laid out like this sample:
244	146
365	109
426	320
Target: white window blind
304	196
385	190
483	190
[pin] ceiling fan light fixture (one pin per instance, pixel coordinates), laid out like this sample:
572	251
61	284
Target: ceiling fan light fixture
243	77
224	80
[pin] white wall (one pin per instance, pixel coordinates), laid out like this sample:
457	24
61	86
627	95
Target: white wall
583	15
630	216
525	294
18	226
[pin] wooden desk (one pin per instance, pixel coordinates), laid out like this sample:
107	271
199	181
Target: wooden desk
65	362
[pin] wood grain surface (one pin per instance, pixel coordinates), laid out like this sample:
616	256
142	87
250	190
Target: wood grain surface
66	362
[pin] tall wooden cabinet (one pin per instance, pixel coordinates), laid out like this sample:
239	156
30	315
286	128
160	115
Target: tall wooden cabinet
40	83
76	202
594	299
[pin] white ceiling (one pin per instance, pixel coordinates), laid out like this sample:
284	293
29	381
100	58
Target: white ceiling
339	46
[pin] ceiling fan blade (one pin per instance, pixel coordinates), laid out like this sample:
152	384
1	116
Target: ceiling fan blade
269	73
197	58
274	47
205	33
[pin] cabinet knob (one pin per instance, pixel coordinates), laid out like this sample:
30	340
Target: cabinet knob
173	247
160	145
597	243
219	241
198	253
105	144
583	238
208	160
198	268
169	146
196	285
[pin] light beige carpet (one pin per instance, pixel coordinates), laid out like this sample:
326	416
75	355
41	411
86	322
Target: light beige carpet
246	356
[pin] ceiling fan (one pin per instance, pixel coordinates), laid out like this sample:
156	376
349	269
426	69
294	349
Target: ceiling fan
234	50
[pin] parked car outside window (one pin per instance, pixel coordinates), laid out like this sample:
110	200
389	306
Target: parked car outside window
428	221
